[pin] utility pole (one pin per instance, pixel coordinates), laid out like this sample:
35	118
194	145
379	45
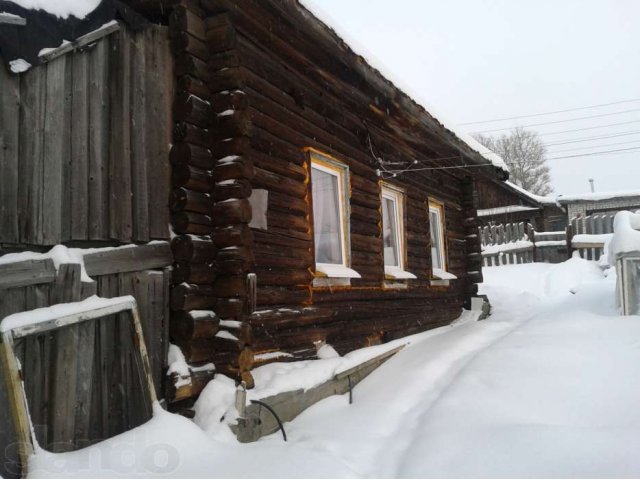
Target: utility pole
593	188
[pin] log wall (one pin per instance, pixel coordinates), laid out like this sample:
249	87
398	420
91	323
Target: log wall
84	144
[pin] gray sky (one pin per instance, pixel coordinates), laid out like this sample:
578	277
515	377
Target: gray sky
481	60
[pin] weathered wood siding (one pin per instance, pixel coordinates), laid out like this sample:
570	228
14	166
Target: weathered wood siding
84	143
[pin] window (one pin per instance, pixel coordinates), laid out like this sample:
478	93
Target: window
329	191
438	247
393	233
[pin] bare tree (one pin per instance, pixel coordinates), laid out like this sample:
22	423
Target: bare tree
524	153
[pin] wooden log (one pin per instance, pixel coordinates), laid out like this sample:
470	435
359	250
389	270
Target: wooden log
283	277
27	272
267	296
198	381
189	84
183	199
191	249
232	123
233	167
278	183
231	212
182	43
226	79
238	146
275	164
191	178
230	307
295	262
197	350
186	64
188	133
197	273
239	329
232	286
243	253
286	203
188	325
192	297
184	20
272	238
191	223
192	109
221	35
366	243
232	235
228	189
224	341
246	359
287	221
224	101
194	155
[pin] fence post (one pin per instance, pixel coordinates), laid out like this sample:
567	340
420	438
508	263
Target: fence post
569	241
531	232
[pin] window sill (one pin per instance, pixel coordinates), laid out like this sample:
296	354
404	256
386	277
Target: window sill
396	273
330	270
441	278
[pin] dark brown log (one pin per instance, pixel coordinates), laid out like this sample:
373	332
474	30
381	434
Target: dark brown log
227	342
188	248
221	60
246	359
192	297
247	378
182	43
229	100
192	109
194	155
231	212
239	329
278	183
229	124
287	221
197	273
273	320
184	20
221	35
281	277
183	199
191	178
232	235
228	287
229	189
243	254
292	261
474	277
271	238
188	133
226	79
238	147
366	243
197	350
282	296
186	326
199	380
287	203
189	84
186	64
233	167
191	223
278	165
230	307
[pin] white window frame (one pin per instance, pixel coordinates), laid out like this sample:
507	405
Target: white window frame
440	274
397	196
327	165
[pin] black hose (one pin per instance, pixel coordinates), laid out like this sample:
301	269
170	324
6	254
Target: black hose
275	415
350	390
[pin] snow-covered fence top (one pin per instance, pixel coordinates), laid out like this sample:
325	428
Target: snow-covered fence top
506	244
624	250
626	237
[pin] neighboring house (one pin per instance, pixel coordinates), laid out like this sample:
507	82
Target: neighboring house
585	204
306	194
503	202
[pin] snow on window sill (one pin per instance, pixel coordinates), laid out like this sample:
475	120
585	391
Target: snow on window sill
396	273
331	270
439	274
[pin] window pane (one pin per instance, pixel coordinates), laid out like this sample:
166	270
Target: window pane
326	217
390	233
435	240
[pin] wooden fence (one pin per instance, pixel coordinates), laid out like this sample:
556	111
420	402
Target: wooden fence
588	234
84	143
68	412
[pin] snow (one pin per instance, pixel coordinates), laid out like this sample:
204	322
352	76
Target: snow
544	200
61	8
626	234
487	212
19	65
551	243
336	271
314	6
590	238
443	275
595	196
542	388
271	355
506	247
327	351
40	315
45	51
226	335
178	365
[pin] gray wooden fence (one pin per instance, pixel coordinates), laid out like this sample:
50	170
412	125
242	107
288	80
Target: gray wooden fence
84	142
506	244
588	234
80	384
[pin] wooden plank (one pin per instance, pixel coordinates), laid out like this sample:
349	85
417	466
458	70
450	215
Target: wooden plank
79	181
28	272
99	135
9	155
139	125
82	41
32	115
160	87
133	259
56	131
120	209
65	367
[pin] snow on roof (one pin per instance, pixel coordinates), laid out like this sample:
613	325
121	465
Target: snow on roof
487	212
544	200
317	11
61	8
595	196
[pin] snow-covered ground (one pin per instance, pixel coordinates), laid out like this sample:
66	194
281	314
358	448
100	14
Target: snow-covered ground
546	387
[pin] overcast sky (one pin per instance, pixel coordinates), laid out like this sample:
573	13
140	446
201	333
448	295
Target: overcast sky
485	59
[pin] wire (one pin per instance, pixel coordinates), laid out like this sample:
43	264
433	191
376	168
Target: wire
564	121
596	146
587	128
551	113
589	139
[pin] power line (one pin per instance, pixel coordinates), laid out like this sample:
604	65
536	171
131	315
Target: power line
552	112
594	153
596	146
587	128
589	139
564	121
